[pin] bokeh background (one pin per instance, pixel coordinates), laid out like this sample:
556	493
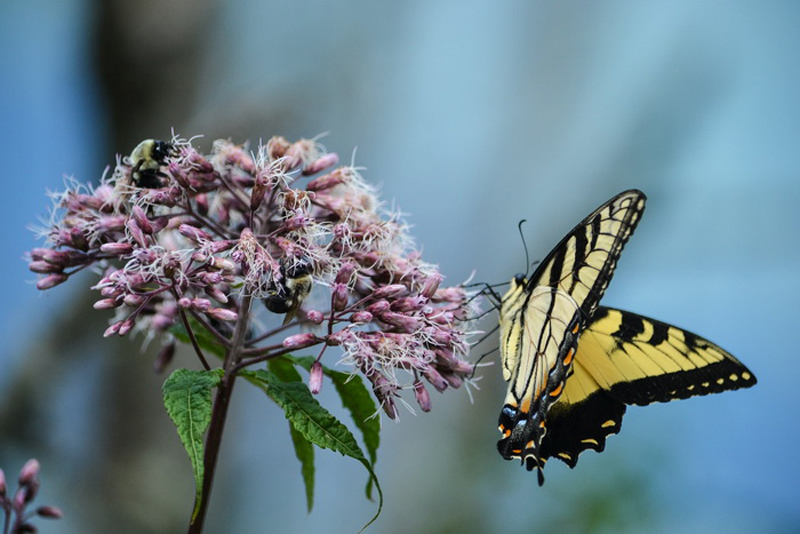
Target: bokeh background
471	116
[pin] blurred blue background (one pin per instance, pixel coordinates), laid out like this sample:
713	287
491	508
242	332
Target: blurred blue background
471	116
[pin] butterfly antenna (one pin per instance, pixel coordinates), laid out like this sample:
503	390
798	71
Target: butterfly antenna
524	245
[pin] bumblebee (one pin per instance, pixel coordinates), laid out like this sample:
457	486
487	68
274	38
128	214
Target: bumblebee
146	160
289	293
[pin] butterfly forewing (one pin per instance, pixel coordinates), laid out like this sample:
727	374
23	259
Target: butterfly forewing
584	261
541	319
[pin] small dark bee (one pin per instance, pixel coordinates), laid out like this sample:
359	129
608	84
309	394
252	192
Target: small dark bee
146	160
290	292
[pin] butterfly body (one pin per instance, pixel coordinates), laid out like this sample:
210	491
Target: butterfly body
573	366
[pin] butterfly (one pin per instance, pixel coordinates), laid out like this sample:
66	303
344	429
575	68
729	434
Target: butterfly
572	366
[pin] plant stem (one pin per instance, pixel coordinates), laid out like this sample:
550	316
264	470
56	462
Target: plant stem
219	414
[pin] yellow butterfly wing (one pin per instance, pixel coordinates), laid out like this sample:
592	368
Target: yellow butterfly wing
541	319
624	358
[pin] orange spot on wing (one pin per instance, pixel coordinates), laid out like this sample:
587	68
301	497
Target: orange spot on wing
556	392
568	359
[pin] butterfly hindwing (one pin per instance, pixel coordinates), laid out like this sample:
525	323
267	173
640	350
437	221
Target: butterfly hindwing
624	358
541	319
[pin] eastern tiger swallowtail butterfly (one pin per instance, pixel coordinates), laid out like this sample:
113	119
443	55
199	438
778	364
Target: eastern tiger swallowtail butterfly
572	365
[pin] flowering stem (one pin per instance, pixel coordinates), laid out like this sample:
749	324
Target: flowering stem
224	341
194	340
219	414
270	333
264	357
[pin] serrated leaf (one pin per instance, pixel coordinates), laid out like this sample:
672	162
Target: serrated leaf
304	451
314	422
284	370
357	400
205	339
303	448
187	398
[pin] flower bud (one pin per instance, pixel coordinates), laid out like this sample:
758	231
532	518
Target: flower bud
315	316
341	337
222	264
142	220
159	224
377	308
435	379
389	407
107	304
136	233
406	323
463	368
218	246
200	304
132	299
110	291
362	316
20	498
390	291
50	281
258	192
177	172
321	164
453	380
422	396
300	341
217	295
327	181
431	285
195	234
222	314
407	304
449	294
345	273
43	267
339	299
315	378
27	474
112	330
125	327
2	484
49	512
118	249
276	147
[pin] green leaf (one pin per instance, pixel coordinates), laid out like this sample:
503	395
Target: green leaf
187	398
205	339
303	448
358	401
304	451
284	370
313	421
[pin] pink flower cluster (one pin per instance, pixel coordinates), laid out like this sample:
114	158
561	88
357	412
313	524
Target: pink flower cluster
204	235
16	505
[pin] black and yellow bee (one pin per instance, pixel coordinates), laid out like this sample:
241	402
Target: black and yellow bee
290	291
146	161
